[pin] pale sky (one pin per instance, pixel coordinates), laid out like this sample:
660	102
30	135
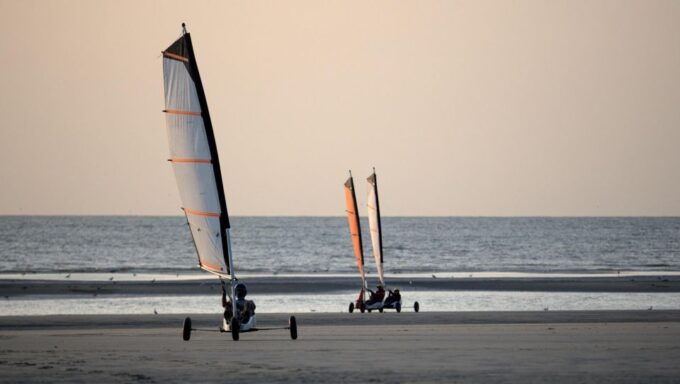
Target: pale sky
464	107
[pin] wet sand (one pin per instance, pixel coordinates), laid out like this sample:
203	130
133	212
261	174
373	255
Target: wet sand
310	284
570	346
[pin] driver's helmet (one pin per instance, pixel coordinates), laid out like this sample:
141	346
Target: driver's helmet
241	291
396	291
379	287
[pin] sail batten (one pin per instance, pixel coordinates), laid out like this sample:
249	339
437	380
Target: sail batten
196	161
194	157
175	57
355	227
201	213
373	205
178	112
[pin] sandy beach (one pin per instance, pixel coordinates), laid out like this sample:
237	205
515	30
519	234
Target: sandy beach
574	346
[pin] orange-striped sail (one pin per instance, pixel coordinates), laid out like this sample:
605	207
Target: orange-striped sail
355	226
194	159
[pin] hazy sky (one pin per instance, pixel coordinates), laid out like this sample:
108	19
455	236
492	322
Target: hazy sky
464	107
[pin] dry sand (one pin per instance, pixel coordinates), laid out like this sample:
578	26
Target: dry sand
597	346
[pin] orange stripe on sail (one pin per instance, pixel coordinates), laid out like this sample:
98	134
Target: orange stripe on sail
201	213
175	57
184	160
211	266
178	112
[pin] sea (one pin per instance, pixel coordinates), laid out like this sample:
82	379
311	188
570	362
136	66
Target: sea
100	247
63	244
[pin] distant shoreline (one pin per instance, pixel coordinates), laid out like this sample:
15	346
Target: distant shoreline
263	284
169	275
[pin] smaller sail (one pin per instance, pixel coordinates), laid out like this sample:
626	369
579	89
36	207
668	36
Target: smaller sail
373	206
355	226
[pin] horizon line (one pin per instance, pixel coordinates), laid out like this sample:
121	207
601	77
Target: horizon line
342	216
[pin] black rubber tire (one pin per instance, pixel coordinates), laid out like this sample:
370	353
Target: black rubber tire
186	331
416	306
380	310
351	307
235	326
292	323
398	307
369	311
362	308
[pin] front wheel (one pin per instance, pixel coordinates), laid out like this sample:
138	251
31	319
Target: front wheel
398	307
235	326
380	310
416	306
292	324
186	332
351	307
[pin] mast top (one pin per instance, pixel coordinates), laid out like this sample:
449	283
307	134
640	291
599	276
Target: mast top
350	173
184	28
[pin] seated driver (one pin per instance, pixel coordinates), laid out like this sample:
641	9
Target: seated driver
377	296
393	296
245	308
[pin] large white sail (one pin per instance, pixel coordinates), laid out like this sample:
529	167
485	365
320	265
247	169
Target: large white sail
373	206
193	154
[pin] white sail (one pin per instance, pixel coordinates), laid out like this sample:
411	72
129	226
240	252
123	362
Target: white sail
193	155
373	206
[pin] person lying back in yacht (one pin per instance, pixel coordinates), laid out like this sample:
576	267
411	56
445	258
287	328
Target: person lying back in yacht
377	296
393	296
245	308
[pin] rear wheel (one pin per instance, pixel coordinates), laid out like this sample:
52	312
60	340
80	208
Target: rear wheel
235	326
351	307
398	307
292	323
186	332
416	306
380	309
362	308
